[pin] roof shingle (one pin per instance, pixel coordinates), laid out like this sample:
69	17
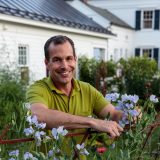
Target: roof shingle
50	11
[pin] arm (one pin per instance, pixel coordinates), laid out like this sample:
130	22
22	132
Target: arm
54	118
110	110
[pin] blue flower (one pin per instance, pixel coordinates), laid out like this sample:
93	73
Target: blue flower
27	155
32	120
50	153
12	158
59	131
41	125
133	113
112	97
29	131
14	153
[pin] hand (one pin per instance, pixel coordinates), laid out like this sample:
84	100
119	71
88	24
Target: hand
110	127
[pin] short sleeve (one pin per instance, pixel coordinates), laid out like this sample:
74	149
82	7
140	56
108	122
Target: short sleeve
99	101
37	93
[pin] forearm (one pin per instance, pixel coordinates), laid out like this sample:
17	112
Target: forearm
55	118
110	110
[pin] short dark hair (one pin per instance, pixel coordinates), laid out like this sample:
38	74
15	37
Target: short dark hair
59	39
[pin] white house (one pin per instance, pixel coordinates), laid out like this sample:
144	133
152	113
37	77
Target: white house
26	25
121	45
144	17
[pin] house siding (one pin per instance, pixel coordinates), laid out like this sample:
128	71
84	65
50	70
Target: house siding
12	34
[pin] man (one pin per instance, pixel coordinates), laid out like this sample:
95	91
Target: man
60	100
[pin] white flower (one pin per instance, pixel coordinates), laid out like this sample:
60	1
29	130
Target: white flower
84	152
27	106
59	131
153	98
79	147
55	134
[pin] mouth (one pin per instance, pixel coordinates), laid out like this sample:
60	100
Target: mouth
65	74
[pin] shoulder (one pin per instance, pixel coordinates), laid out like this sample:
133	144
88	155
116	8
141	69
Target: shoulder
39	83
39	86
86	87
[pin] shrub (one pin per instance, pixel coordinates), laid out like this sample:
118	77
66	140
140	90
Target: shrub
138	72
87	70
12	93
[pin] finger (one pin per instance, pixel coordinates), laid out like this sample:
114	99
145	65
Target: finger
115	130
119	128
111	133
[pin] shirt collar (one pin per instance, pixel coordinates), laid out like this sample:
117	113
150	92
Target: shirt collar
53	88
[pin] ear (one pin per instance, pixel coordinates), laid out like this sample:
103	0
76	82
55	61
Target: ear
75	58
46	63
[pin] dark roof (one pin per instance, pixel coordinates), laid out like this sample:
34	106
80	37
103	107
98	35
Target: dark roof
50	11
111	17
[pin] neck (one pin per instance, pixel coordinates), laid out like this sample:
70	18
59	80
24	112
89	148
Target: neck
66	88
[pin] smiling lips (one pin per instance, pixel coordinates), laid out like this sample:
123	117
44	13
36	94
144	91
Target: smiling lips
65	73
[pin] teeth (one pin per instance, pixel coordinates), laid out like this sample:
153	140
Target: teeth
65	73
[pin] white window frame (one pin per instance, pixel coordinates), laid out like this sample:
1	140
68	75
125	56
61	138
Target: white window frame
26	55
142	19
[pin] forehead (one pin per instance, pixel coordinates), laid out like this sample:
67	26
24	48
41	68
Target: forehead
60	48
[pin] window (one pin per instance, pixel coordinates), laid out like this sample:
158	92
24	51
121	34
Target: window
22	55
23	62
152	53
147	53
99	53
147	19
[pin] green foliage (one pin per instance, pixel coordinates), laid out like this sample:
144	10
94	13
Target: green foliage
12	97
111	68
91	70
138	72
87	70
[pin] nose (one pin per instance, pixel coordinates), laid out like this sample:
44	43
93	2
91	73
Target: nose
64	64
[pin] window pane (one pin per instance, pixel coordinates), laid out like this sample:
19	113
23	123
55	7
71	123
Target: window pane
147	19
99	53
147	53
22	55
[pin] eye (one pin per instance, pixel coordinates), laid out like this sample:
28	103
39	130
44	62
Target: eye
70	58
55	59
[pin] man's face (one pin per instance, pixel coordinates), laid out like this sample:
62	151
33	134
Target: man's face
61	63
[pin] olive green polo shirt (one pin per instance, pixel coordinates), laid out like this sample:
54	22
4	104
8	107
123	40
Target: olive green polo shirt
84	100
